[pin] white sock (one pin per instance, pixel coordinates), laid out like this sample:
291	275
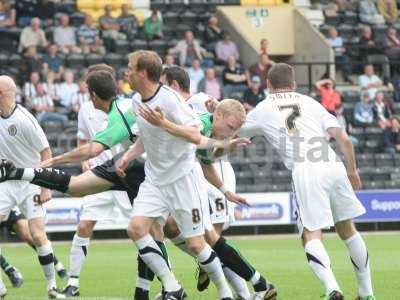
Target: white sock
46	259
77	257
256	277
179	242
210	263
237	283
359	257
3	289
28	175
142	283
319	261
156	262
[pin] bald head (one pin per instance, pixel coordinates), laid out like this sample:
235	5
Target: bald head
7	85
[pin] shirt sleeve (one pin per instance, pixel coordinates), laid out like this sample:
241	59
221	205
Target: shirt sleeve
83	132
34	134
115	133
181	114
252	126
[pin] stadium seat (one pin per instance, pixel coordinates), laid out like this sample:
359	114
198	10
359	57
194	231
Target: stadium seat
197	6
241	188
52	128
249	2
3	59
189	18
122	47
177	5
139	45
114	59
171	18
384	160
381	64
159	46
77	19
350	18
75	60
160	5
85	4
257	188
92	59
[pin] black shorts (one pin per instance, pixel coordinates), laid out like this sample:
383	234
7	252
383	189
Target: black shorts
130	183
13	218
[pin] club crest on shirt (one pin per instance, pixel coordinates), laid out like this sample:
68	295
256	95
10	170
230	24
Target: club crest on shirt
12	130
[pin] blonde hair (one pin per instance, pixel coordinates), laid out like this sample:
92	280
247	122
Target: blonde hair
231	107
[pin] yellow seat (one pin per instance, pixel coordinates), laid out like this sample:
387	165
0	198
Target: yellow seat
85	4
101	3
269	2
118	3
249	2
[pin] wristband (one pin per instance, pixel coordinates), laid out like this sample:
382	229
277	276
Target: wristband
223	189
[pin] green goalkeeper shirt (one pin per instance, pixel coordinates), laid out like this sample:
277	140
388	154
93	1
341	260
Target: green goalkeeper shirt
206	156
121	123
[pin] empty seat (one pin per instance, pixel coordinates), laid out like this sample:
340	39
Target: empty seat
257	188
384	160
75	60
77	19
122	47
114	59
138	45
189	18
92	59
171	18
159	46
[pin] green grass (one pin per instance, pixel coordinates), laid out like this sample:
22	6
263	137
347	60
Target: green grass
110	268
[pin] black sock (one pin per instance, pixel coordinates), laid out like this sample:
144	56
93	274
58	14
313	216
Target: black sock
4	263
55	259
232	259
50	178
141	294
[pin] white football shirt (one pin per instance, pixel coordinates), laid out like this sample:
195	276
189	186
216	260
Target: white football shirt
22	138
198	102
295	125
91	121
168	157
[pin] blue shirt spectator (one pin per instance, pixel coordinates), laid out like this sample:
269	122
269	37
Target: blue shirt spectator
363	111
89	37
52	61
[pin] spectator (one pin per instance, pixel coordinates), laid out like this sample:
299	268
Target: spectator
226	48
53	62
391	44
369	14
347	5
43	106
196	74
128	22
383	111
79	98
395	81
363	111
67	89
65	36
32	36
367	44
30	62
47	9
52	88
341	58
264	46
234	78
330	97
392	141
124	87
369	81
169	61
26	10
388	9
210	84
254	94
7	15
29	89
189	49
110	26
152	26
212	34
89	39
260	69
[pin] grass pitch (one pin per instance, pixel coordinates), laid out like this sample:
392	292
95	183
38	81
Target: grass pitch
109	272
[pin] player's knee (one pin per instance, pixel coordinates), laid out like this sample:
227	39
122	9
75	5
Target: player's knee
211	237
345	229
39	237
85	228
195	245
136	231
171	229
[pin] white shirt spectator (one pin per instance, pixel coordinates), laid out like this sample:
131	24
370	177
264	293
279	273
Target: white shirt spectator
195	75
66	91
64	36
365	80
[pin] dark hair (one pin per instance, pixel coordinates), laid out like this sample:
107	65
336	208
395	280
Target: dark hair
281	76
101	67
150	62
103	84
179	75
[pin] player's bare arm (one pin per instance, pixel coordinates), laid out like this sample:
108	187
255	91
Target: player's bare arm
85	164
192	134
133	152
85	152
212	177
346	146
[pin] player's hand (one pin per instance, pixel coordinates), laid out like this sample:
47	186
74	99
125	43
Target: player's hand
235	198
355	180
211	104
85	166
45	196
238	142
155	116
47	163
121	166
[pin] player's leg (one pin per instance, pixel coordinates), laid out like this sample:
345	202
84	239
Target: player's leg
187	197
358	255
148	207
345	207
21	228
3	290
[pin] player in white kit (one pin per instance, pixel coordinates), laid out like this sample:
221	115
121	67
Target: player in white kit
173	185
96	207
24	143
296	125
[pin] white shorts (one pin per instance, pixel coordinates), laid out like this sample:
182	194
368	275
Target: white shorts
20	194
185	200
102	206
222	210
323	195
